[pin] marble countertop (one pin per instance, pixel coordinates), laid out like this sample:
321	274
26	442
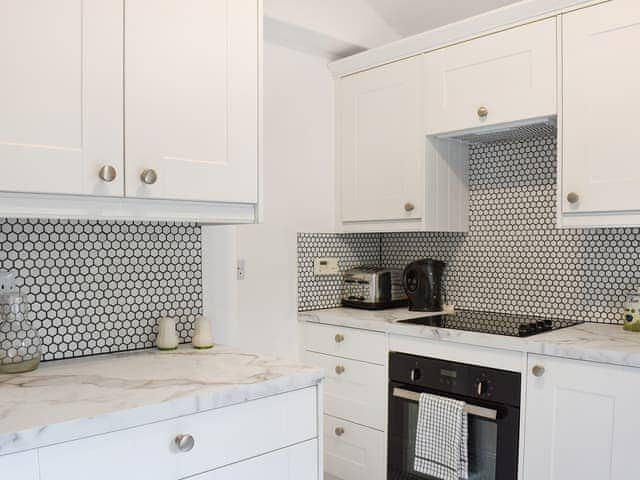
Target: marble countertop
70	399
594	342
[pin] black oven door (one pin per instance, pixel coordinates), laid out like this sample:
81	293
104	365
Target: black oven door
493	444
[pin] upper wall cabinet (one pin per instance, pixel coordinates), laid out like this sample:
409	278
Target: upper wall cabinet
391	177
151	107
381	147
501	78
601	100
191	99
61	114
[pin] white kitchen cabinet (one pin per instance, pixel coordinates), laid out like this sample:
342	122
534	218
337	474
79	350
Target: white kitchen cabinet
390	176
353	390
171	86
20	466
600	103
61	115
505	77
353	452
298	462
191	99
346	342
222	437
581	420
382	149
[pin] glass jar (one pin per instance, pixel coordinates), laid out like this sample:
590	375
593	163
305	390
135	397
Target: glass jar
20	345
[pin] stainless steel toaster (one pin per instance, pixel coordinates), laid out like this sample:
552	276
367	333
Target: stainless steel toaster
373	288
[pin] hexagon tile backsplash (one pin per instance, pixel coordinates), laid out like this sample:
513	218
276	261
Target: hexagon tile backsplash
513	259
100	287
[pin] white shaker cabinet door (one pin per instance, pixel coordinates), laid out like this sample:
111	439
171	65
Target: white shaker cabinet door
505	77
191	99
382	146
601	101
61	96
581	421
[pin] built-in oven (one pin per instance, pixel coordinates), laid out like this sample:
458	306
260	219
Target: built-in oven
492	399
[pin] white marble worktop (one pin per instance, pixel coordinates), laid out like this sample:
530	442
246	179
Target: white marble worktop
69	399
588	341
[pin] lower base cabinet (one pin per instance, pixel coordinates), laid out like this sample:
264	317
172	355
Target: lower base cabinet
353	452
272	438
581	421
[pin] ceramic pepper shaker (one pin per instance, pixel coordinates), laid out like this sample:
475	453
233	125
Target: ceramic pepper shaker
167	335
202	337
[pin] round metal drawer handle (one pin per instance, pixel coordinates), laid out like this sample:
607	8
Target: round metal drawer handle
573	197
537	370
483	112
339	431
409	207
184	442
339	338
339	369
149	176
107	173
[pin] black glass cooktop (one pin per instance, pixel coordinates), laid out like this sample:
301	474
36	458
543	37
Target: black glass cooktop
494	323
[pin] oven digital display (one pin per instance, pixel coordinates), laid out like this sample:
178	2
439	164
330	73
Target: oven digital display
449	373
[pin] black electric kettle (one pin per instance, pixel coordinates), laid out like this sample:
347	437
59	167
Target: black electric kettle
422	282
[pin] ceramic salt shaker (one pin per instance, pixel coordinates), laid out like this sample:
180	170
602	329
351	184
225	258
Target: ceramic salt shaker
202	337
167	334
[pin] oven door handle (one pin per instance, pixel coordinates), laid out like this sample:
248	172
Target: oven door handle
475	410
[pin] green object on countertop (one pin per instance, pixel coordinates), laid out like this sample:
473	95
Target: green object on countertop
632	326
167	349
203	348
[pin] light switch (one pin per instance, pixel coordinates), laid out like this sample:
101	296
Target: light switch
325	266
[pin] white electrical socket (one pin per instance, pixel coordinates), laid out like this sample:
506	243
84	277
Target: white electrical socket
7	282
241	269
325	266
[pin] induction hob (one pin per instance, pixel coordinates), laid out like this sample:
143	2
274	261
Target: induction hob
493	323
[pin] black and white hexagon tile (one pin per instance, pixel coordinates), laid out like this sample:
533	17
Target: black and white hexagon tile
100	287
513	259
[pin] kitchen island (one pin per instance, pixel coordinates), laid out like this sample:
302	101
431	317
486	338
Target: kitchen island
161	415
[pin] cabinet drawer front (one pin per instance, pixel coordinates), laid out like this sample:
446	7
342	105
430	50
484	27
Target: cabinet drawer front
358	453
353	390
20	466
222	436
346	342
512	74
299	462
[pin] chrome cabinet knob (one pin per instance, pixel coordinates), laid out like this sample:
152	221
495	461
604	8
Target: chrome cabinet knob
184	442
409	207
339	338
339	369
149	176
537	370
573	197
483	112
339	431
107	173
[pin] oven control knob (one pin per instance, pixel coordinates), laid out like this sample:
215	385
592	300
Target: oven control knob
482	387
416	373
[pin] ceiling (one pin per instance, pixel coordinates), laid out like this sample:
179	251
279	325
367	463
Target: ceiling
408	17
337	28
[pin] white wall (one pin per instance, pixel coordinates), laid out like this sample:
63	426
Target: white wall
259	313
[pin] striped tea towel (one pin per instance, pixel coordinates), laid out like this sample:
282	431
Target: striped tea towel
441	438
